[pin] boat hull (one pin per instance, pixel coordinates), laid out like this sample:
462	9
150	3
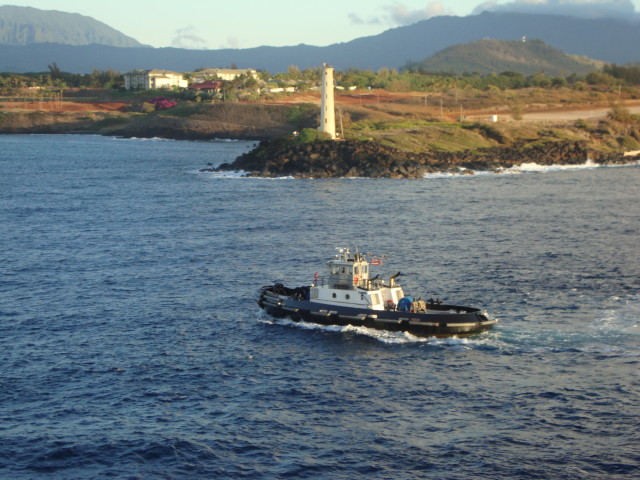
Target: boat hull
439	321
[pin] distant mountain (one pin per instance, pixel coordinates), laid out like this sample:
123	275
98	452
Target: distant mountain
26	26
608	40
494	56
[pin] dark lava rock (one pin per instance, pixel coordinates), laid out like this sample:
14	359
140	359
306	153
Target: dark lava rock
351	158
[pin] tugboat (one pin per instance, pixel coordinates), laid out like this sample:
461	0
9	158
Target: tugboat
348	296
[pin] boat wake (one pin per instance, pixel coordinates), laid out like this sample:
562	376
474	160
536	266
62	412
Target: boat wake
620	317
387	337
611	331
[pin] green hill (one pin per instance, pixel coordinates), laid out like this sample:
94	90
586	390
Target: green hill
495	56
26	26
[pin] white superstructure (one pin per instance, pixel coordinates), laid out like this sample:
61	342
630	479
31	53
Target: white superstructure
348	284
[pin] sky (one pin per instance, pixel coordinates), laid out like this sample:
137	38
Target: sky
215	24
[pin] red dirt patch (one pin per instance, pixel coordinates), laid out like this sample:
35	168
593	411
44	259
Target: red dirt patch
357	97
64	106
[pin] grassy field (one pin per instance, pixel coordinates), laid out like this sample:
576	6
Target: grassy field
447	121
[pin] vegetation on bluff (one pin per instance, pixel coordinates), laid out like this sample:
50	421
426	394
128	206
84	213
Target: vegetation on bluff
447	117
414	77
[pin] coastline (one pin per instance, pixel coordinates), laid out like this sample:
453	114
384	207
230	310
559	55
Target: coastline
411	152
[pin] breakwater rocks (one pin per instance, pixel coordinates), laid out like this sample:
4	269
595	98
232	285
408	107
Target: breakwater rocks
350	158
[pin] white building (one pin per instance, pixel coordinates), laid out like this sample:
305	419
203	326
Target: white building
153	80
226	74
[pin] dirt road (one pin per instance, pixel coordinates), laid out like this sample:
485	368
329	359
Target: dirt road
572	115
374	97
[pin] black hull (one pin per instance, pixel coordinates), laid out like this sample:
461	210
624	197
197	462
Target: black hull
440	321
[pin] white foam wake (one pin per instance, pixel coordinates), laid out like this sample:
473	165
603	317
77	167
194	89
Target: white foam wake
384	336
623	316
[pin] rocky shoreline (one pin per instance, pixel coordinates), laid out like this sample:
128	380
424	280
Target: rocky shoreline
278	155
351	158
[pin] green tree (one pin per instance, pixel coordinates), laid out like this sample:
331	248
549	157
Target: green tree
600	78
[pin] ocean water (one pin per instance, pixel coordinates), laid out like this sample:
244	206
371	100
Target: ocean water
131	347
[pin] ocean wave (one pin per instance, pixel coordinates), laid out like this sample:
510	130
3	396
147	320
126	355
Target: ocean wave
230	174
523	168
588	165
149	139
240	174
537	168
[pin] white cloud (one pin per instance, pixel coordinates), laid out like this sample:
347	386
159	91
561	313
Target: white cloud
356	19
232	42
621	9
187	38
399	14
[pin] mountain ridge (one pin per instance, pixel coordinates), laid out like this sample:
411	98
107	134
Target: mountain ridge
28	25
600	39
489	56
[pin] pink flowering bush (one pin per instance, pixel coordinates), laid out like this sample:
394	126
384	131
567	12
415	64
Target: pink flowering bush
162	103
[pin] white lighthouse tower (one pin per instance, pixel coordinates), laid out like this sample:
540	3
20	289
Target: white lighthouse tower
327	107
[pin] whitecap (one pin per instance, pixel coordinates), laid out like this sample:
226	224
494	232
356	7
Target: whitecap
143	139
529	167
239	174
537	168
226	174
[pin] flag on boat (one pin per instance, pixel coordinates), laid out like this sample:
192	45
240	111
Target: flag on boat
376	261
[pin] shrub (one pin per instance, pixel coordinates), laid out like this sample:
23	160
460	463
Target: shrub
581	123
310	135
628	142
147	107
517	111
620	114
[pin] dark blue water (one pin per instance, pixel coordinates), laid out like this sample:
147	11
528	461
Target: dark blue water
130	346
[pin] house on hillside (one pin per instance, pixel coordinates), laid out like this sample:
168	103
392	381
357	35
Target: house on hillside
153	80
226	74
210	86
